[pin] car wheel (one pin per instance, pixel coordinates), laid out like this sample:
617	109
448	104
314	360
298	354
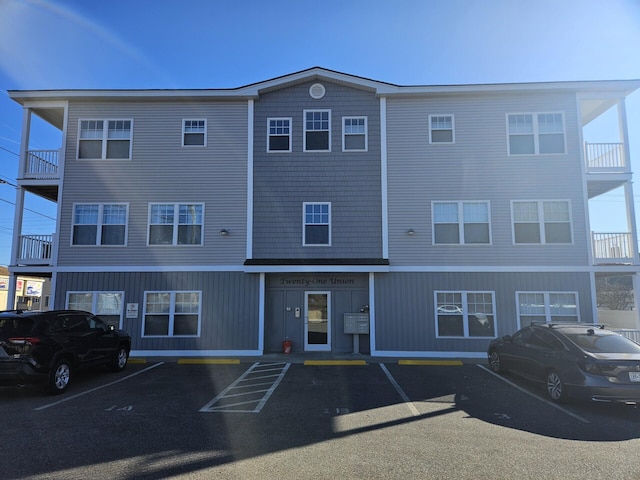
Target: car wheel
60	377
555	387
494	362
120	359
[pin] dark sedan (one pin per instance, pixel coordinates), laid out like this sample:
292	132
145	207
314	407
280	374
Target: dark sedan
48	347
577	360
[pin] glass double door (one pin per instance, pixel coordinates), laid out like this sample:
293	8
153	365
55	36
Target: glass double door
317	324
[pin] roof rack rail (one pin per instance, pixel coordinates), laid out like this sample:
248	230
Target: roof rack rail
601	326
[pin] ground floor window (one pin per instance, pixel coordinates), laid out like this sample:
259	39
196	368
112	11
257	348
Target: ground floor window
465	314
547	307
172	314
107	305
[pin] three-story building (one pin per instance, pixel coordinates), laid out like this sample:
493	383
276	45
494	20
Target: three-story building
337	212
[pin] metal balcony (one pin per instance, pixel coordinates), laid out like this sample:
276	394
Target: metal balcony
35	249
613	248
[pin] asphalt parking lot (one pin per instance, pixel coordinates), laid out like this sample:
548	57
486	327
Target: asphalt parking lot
276	419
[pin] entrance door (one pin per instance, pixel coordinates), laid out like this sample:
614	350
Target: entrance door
317	327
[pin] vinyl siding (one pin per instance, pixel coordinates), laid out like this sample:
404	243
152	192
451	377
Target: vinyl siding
230	305
350	181
161	170
405	312
478	167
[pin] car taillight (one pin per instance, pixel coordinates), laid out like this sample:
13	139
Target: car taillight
26	341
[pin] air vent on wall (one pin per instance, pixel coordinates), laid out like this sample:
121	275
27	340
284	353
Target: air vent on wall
317	91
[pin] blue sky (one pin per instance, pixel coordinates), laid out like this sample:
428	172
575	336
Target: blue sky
55	44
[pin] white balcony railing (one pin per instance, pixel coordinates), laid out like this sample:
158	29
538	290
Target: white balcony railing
605	157
42	164
613	248
35	249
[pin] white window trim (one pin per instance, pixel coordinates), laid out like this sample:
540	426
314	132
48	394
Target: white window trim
536	134
465	313
541	222
304	130
94	301
366	134
304	225
547	304
461	222
453	129
105	133
99	225
176	224
172	313
184	120
290	119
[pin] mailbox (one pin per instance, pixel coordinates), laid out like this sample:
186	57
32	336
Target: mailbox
356	323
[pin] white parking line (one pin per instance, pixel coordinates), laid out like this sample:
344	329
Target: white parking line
403	395
66	399
554	405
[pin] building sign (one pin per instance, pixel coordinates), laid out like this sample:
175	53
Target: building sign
4	285
132	310
19	287
34	289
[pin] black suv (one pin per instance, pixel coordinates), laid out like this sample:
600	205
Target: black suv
47	347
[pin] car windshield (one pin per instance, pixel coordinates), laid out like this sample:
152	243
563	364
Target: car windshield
15	326
598	343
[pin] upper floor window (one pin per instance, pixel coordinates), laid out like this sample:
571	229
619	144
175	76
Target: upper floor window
317	130
317	224
461	223
536	133
175	224
354	134
542	222
194	133
441	129
465	314
547	307
99	224
105	139
279	135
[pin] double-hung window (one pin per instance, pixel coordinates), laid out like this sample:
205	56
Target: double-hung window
317	130
176	224
536	133
279	135
99	224
441	129
172	314
465	314
461	223
547	307
108	305
105	139
194	133
354	134
316	224
541	222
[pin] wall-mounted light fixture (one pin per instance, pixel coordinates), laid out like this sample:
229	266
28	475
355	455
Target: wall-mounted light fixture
411	231
224	232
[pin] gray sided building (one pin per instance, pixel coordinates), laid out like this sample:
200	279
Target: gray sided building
332	211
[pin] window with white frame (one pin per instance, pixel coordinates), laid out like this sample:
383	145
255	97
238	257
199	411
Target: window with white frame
465	314
542	222
441	129
317	224
547	307
99	224
176	224
536	133
461	223
317	130
172	314
107	305
194	133
354	134
278	134
104	139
